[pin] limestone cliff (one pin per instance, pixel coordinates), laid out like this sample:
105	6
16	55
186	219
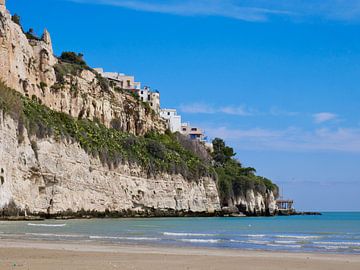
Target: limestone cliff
255	203
55	177
28	66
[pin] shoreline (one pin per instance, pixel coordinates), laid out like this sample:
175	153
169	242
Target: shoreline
56	255
86	246
117	215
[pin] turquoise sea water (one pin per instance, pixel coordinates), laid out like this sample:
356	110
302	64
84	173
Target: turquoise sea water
329	233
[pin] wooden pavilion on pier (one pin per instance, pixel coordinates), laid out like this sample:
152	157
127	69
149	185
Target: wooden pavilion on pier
285	207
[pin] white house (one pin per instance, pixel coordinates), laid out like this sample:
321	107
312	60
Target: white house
173	119
150	97
120	79
128	82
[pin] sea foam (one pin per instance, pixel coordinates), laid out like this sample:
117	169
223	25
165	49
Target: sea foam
338	243
46	225
124	238
298	236
186	234
201	240
56	235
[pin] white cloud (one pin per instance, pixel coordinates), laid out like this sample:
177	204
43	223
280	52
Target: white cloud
290	139
324	117
240	110
247	10
207	109
196	108
223	8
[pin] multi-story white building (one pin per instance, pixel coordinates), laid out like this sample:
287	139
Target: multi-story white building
150	97
128	82
120	79
174	120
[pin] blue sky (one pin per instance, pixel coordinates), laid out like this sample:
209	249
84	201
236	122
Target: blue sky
278	80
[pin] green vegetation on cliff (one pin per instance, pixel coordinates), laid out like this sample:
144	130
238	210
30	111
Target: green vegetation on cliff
155	153
233	178
70	63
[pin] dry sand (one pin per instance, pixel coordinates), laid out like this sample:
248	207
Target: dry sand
68	256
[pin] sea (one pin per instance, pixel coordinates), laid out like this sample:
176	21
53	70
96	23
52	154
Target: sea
332	232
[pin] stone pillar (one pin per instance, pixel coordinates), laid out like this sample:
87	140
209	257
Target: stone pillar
46	37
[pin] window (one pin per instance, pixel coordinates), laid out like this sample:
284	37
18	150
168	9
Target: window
168	113
142	92
151	104
149	97
193	129
128	83
184	129
142	99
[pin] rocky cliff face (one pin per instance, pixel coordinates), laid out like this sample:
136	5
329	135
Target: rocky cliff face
27	65
54	177
255	203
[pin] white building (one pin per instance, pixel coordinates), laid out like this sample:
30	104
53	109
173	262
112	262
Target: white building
120	79
128	82
150	97
173	119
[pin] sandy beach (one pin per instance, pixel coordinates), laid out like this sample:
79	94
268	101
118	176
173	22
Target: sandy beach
49	255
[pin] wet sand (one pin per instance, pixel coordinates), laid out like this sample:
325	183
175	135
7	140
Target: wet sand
39	255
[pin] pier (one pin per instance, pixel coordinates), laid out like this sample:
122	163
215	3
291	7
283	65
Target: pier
285	207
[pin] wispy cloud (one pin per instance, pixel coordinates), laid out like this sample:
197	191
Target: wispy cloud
291	139
241	110
247	10
197	108
323	117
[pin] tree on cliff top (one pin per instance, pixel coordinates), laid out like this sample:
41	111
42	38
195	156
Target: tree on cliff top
222	153
73	58
16	19
233	178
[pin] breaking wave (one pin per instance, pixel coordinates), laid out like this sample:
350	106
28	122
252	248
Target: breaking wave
338	243
124	238
186	234
46	225
56	235
298	236
201	240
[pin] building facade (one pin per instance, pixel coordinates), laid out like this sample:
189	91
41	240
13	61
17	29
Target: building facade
174	120
120	79
194	133
150	97
128	83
